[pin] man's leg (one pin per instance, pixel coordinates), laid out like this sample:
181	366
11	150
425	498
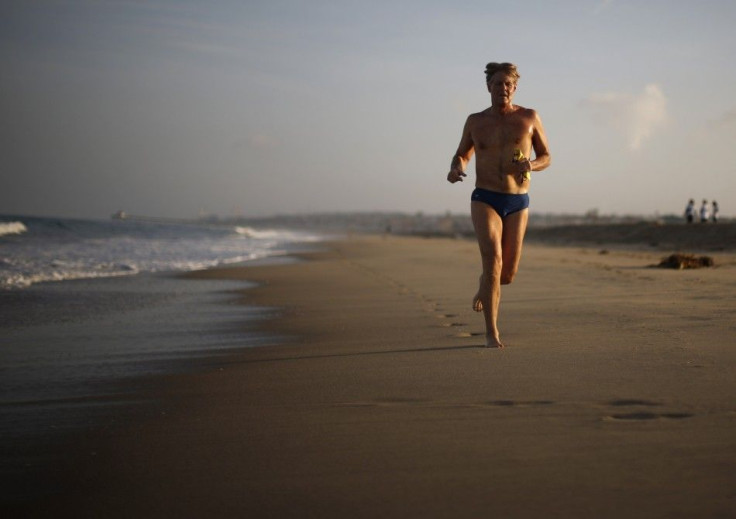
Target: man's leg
514	228
489	232
488	225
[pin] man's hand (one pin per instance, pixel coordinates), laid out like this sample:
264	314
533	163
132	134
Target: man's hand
455	175
524	168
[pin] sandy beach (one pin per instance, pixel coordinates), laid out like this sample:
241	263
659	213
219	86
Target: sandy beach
614	396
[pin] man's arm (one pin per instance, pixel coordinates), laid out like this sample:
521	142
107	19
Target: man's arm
463	154
542	157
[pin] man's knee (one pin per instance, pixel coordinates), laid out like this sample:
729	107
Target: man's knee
493	261
507	276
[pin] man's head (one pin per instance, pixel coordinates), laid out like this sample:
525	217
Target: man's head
501	79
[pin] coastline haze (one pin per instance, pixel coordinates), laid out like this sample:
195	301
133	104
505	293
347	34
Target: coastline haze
175	109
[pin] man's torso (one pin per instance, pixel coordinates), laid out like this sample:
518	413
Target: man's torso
495	137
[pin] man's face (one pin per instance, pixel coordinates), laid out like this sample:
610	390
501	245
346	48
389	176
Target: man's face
502	88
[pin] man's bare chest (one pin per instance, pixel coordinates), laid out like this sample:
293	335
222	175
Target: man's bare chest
489	134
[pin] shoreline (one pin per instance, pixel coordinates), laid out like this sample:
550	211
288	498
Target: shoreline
82	356
383	403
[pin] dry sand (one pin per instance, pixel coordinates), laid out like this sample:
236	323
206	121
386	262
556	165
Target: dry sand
614	397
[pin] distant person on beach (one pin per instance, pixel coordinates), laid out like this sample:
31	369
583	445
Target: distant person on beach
690	211
502	138
714	216
704	214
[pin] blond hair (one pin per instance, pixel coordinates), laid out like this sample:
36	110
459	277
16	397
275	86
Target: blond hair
507	68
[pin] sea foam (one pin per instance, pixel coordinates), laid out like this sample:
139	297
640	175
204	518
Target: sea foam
58	249
12	228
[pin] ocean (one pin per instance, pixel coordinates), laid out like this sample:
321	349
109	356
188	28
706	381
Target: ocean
34	249
91	311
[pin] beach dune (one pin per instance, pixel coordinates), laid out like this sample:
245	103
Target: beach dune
613	398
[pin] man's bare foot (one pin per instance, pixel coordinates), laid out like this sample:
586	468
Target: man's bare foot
477	305
493	342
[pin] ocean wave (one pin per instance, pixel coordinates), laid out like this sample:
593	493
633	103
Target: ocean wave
26	279
21	274
277	235
250	232
12	228
63	249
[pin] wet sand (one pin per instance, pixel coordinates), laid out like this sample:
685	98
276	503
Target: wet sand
613	398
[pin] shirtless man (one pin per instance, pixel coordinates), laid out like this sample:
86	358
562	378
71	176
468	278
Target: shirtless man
499	204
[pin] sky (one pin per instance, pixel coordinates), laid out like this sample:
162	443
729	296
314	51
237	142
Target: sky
260	108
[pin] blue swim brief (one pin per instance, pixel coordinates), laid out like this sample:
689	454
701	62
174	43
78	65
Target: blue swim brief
504	203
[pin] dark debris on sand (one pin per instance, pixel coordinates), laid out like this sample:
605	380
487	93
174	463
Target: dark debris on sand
685	261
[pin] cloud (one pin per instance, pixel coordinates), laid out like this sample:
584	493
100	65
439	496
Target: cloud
635	116
728	118
261	141
602	6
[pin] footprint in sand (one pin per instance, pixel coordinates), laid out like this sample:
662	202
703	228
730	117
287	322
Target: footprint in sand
638	415
519	403
421	402
465	335
632	402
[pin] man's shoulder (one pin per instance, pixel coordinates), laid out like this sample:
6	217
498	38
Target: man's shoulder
526	112
479	118
478	115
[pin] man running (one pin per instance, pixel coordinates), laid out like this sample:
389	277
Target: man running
502	138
